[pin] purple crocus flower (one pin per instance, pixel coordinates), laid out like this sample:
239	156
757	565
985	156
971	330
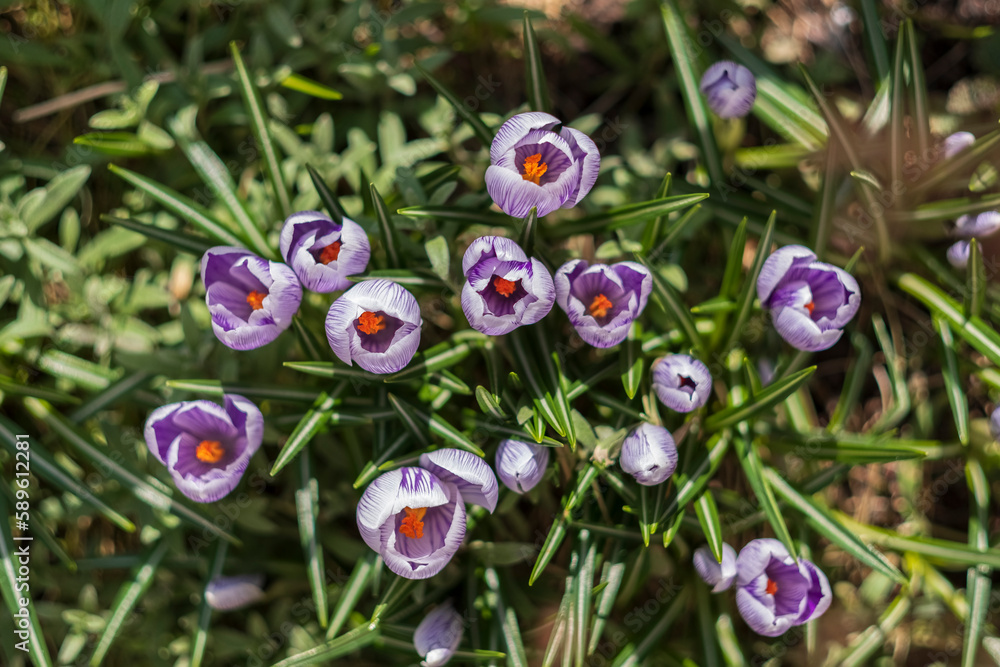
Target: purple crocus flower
521	465
773	592
534	165
995	423
205	446
415	517
682	382
649	454
438	635
957	142
971	227
376	323
958	254
251	299
228	593
600	300
729	88
504	288
322	252
719	576
810	301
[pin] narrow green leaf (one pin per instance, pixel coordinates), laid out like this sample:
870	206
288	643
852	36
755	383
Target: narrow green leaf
179	205
421	423
754	471
770	396
651	234
820	519
685	62
188	243
921	113
529	229
312	88
734	262
673	305
558	531
307	508
826	204
326	196
631	364
390	237
200	642
960	164
126	600
953	381
431	361
897	111
59	192
979	579
876	38
258	126
109	396
622	216
350	593
613	575
695	477
975	286
464	112
708	517
354	640
655	634
746	297
311	424
534	73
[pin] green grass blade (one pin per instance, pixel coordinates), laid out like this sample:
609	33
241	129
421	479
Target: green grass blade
656	633
771	395
897	112
921	113
421	424
109	396
326	196
126	600
708	517
258	126
188	243
960	164
754	471
529	232
354	640
438	358
654	228
979	579
534	73
953	381
307	508
975	286
631	364
673	304
820	519
936	550
179	205
622	216
200	642
685	63
307	428
350	593
390	237
463	111
746	297
876	38
695	477
558	530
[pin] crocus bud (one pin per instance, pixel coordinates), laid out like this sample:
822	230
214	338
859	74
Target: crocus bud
681	382
958	254
376	324
322	252
229	593
719	576
957	142
251	300
534	166
521	465
810	301
504	288
438	635
729	88
649	455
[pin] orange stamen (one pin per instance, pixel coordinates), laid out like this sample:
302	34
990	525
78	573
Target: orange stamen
504	287
209	451
772	587
600	306
412	524
533	171
330	253
370	323
810	307
256	299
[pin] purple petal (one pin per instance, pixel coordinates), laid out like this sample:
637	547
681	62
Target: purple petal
625	285
387	350
958	254
444	530
755	556
516	196
228	593
801	332
584	151
491	247
957	142
389	493
470	473
516	128
977	226
246	418
304	237
682	383
730	89
994	423
649	455
488	314
761	618
521	465
438	635
718	575
819	597
777	266
161	431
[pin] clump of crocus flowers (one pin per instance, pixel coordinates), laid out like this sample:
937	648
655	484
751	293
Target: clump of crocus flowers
774	591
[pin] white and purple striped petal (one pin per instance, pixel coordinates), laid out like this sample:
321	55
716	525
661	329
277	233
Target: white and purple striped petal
774	592
206	447
979	226
958	254
681	382
730	89
236	592
601	301
649	454
521	465
251	299
819	596
957	142
322	252
810	301
720	576
438	636
533	166
504	288
470	473
375	324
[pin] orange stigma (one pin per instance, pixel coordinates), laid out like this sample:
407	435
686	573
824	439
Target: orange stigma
811	306
533	169
504	287
256	299
412	524
600	306
330	253
772	587
370	323
209	451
